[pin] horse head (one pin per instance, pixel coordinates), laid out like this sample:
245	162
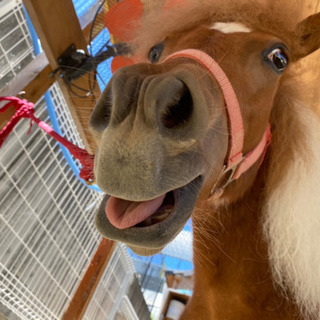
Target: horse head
163	128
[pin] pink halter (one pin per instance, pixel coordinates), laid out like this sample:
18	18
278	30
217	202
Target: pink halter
236	163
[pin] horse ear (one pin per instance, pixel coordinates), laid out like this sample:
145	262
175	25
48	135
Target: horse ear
306	37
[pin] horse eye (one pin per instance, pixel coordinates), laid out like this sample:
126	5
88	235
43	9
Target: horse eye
277	58
155	52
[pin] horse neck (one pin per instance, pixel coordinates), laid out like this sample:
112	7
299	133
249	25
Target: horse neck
230	260
231	267
231	263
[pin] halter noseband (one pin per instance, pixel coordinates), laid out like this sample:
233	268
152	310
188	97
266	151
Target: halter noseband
236	163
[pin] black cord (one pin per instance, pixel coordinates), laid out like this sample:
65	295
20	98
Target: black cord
89	93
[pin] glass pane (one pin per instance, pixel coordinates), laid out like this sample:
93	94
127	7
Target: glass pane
23	63
9	22
10	41
6	79
18	51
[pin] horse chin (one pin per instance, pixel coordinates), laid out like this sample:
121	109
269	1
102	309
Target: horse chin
151	236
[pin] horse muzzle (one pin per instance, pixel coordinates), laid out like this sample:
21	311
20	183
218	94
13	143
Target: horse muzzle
148	125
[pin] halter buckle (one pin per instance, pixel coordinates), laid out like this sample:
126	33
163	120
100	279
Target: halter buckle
226	177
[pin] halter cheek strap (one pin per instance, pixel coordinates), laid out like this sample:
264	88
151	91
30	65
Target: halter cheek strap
236	163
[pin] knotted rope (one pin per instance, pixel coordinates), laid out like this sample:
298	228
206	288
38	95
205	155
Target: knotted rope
25	109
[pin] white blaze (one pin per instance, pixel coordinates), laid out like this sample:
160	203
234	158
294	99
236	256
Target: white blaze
230	27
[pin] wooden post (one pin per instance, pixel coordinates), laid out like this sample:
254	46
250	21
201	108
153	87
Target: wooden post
58	27
89	282
6	116
34	79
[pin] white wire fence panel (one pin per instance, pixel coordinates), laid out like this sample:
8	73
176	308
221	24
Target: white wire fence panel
16	50
120	270
65	120
113	286
47	232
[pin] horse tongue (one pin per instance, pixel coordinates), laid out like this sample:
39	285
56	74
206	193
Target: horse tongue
125	214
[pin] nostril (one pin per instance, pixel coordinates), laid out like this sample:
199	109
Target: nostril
178	111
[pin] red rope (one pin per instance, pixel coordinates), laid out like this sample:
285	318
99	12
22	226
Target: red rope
25	109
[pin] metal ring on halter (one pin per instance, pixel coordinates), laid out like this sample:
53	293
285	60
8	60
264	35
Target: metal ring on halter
225	179
90	182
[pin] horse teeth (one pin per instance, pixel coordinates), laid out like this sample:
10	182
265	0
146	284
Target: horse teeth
156	218
161	216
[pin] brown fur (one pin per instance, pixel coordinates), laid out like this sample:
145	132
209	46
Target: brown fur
235	275
267	16
235	272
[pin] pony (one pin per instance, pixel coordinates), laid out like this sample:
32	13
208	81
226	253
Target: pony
218	118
